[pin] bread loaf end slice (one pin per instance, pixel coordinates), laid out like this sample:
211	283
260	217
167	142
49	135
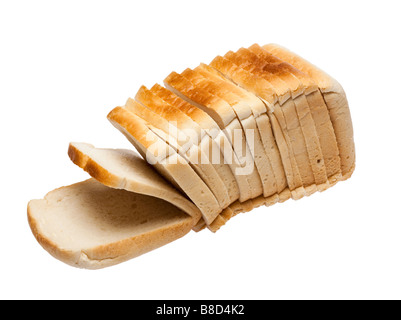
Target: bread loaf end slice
88	225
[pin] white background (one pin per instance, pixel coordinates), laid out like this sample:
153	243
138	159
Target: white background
65	64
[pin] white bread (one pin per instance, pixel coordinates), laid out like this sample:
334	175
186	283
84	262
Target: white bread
124	169
196	158
336	102
225	117
173	167
89	225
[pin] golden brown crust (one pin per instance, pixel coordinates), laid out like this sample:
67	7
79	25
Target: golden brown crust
93	168
336	102
286	113
315	103
199	96
264	90
201	117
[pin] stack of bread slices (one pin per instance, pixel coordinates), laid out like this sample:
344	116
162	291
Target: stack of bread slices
254	127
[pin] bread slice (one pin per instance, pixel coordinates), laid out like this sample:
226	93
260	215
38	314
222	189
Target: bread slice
205	127
225	117
286	113
244	114
125	169
168	128
89	225
336	101
170	164
320	116
264	91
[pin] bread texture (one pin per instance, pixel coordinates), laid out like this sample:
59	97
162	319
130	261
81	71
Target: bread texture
91	226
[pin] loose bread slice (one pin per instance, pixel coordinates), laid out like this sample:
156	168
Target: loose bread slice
336	102
170	164
225	117
244	114
320	115
89	225
169	130
124	169
264	91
